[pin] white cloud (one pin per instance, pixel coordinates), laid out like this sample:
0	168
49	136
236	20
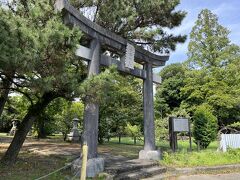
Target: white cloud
226	9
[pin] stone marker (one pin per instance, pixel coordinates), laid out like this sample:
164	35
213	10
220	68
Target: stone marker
74	135
150	155
14	127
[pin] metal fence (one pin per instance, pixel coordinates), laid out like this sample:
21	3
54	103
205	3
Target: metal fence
229	141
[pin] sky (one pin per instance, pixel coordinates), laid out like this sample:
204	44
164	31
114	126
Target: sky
228	12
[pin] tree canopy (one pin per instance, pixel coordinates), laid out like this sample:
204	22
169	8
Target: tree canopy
37	59
52	68
143	22
209	76
211	57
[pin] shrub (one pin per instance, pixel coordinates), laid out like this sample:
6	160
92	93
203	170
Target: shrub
204	126
235	126
134	131
161	128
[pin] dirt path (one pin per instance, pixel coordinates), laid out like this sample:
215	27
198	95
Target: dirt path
44	147
48	147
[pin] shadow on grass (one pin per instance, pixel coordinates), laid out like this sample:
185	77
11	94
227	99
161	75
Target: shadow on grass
32	166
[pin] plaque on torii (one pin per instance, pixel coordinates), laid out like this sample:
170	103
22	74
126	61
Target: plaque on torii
130	54
129	57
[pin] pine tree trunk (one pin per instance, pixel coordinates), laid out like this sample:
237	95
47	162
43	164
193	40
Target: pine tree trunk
4	94
33	113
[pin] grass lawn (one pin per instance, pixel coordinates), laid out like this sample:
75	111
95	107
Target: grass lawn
182	158
202	158
163	144
127	150
36	160
32	166
4	135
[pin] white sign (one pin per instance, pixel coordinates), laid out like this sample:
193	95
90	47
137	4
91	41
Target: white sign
129	58
180	125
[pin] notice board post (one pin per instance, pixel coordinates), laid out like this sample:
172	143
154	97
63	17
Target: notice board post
176	125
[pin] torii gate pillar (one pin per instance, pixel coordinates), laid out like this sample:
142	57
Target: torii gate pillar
149	130
149	151
91	109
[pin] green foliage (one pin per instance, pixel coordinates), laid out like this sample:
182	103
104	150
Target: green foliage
134	131
202	87
141	21
15	108
161	125
168	95
64	117
210	78
53	69
120	101
161	129
235	125
122	104
173	70
179	112
43	52
208	41
58	117
17	43
96	88
168	98
39	51
204	126
202	158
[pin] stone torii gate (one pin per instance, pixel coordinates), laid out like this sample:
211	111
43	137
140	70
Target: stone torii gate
99	38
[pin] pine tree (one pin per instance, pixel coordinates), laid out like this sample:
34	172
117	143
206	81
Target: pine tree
52	69
143	22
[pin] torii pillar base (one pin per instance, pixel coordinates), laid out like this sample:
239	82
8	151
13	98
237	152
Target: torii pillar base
94	166
150	155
